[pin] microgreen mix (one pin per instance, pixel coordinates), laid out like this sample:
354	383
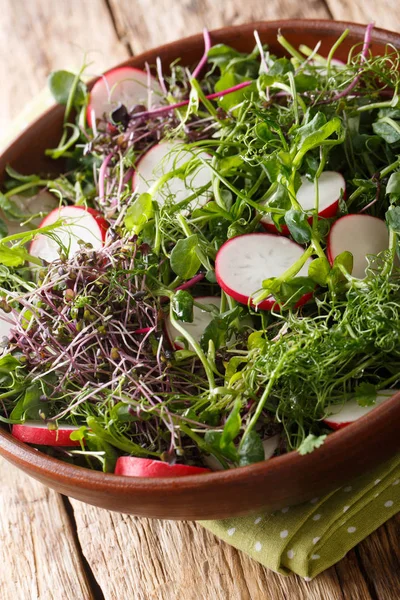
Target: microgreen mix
90	342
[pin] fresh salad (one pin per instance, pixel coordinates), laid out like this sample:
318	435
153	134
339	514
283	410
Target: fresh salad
213	279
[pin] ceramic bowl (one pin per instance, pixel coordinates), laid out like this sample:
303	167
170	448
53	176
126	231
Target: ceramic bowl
268	485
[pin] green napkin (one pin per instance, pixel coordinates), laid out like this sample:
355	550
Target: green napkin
308	538
304	539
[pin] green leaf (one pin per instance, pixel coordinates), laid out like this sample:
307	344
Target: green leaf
3	229
74	137
305	82
393	218
213	439
310	443
295	288
319	270
139	213
281	66
388	129
233	364
229	80
182	306
60	84
221	55
393	185
184	260
252	450
20	177
298	226
317	133
121	413
29	406
365	394
110	455
115	438
218	328
232	425
14	256
345	259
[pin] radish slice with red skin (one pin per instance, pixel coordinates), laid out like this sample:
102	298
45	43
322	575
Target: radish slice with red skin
330	185
132	466
37	433
361	235
201	318
164	158
343	415
123	85
243	262
80	223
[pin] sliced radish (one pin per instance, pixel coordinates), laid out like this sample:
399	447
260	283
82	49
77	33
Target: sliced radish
270	445
123	85
131	466
36	432
330	186
6	324
201	318
243	262
343	415
79	224
362	235
164	158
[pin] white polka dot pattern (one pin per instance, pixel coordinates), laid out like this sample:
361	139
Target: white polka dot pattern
283	534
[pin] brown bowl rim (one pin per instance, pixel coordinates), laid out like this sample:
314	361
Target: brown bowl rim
44	465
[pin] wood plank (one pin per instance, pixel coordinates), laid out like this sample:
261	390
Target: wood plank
380	558
161	560
153	22
384	13
41	36
39	558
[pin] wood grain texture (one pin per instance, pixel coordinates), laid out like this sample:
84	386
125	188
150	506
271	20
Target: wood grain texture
138	559
39	558
147	23
164	560
385	14
38	36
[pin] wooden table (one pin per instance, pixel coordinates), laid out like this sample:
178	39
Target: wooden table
55	548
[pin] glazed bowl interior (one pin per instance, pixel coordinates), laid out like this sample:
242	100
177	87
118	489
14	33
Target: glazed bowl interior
268	485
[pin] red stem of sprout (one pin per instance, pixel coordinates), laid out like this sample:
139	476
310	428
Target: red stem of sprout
163	109
363	58
191	282
207	46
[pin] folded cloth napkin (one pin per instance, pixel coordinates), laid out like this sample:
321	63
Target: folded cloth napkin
304	539
308	538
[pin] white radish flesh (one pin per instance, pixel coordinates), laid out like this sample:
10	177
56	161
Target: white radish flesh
164	158
362	235
6	324
270	445
243	262
330	186
79	224
37	433
123	85
201	318
343	415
